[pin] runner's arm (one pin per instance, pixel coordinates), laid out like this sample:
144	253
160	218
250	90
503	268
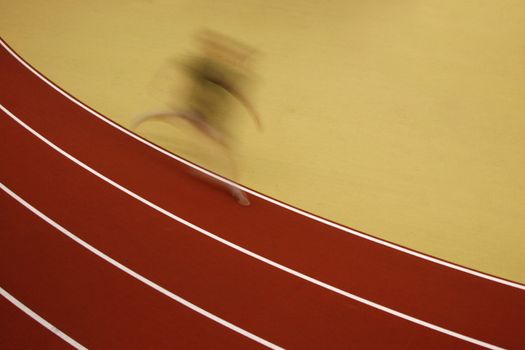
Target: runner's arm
243	100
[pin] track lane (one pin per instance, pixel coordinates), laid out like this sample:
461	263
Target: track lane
89	299
285	310
465	303
19	331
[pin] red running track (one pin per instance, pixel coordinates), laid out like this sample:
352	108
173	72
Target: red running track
20	331
267	300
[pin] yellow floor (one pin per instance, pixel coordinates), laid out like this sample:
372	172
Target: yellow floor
403	120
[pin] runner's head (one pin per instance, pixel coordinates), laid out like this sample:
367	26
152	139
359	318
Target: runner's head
219	46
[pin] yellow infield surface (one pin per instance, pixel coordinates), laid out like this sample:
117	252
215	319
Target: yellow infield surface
405	120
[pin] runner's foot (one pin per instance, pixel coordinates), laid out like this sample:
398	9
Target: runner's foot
241	197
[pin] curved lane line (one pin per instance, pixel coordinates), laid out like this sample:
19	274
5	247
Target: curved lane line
244	250
138	276
39	319
257	194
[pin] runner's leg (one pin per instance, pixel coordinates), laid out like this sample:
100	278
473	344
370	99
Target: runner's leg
200	123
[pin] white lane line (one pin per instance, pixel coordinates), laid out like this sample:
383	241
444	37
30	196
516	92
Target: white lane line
254	193
244	250
136	275
40	320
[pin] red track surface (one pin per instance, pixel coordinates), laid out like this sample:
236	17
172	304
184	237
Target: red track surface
19	331
102	307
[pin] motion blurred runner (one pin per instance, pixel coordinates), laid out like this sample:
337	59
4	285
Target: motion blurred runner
216	74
